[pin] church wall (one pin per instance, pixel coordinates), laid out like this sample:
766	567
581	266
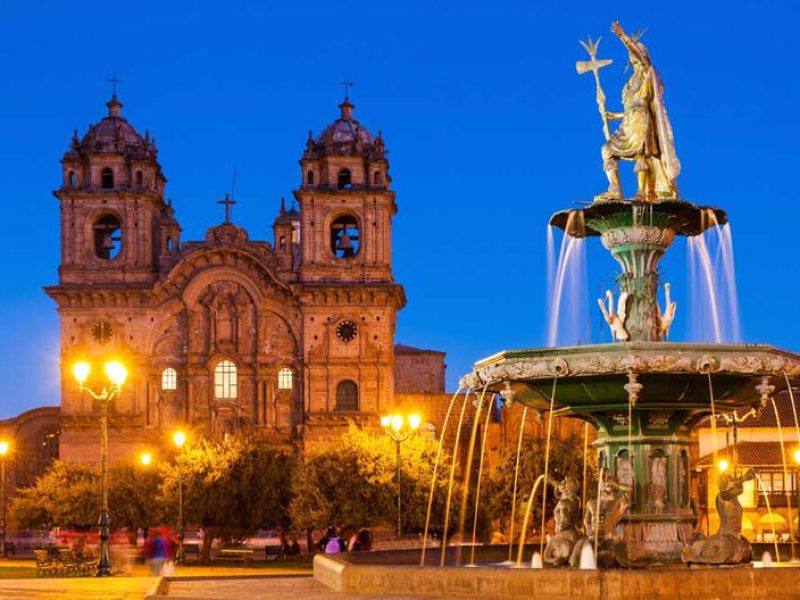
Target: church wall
421	371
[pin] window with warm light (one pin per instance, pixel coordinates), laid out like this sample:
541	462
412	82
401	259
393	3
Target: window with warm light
285	379
347	396
169	379
225	380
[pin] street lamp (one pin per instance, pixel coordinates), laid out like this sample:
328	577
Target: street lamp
145	458
400	428
117	374
3	451
179	438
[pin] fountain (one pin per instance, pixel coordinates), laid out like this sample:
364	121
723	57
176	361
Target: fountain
642	394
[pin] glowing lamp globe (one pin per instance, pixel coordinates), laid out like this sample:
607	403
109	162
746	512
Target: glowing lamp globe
116	372
723	465
81	371
397	422
3	448
414	421
386	420
179	438
146	458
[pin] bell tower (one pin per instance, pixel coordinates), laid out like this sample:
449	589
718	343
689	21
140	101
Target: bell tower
346	204
347	292
115	225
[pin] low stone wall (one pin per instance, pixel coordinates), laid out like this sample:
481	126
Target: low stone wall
680	583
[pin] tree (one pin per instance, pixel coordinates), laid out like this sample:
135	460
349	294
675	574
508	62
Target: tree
352	483
68	496
566	459
229	488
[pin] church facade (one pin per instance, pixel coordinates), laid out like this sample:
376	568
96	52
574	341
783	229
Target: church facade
289	339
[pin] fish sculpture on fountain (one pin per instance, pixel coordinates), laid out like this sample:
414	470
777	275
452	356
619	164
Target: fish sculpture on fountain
727	546
643	395
567	515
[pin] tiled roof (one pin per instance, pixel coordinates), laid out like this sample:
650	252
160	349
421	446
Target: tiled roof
755	454
404	349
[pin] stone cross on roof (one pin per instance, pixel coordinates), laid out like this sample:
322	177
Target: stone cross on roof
114	81
347	85
228	202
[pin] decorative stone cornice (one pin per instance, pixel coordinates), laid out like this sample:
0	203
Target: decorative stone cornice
660	237
642	358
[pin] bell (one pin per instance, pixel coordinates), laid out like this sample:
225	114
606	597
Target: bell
108	243
344	242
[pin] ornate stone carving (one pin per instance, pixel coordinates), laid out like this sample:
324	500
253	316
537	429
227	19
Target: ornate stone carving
566	515
641	235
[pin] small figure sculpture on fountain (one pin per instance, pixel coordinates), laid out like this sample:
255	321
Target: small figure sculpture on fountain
566	516
601	528
645	134
666	316
728	546
616	320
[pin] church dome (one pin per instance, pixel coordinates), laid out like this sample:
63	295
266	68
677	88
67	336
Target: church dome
114	134
345	136
345	129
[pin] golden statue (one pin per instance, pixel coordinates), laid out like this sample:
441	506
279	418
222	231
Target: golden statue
645	135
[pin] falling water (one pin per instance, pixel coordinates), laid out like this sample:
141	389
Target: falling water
794	408
547	463
714	440
769	512
567	294
585	463
714	300
480	476
587	557
462	512
452	479
435	472
516	480
786	487
528	510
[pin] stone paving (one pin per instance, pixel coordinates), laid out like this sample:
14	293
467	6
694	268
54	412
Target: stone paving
75	588
263	588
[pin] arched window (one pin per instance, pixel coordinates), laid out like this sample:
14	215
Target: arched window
72	179
310	178
169	379
285	379
169	244
377	179
283	242
225	385
139	178
49	448
345	238
107	179
344	179
347	396
107	237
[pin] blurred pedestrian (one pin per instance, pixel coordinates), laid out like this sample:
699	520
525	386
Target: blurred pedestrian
361	541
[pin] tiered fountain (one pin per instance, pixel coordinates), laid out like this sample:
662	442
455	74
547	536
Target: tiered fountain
643	395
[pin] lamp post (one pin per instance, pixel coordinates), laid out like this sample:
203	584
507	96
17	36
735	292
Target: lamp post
179	438
3	451
400	428
117	374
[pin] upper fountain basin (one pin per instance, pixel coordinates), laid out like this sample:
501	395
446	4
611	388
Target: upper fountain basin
682	217
672	375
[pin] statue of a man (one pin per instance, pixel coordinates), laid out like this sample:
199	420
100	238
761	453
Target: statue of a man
645	134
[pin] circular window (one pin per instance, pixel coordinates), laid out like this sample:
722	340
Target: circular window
346	331
102	332
345	237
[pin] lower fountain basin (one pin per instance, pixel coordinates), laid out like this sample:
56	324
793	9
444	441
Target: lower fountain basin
389	574
673	375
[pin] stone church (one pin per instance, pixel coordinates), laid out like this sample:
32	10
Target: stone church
288	339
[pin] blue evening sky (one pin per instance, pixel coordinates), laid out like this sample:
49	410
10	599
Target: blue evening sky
489	127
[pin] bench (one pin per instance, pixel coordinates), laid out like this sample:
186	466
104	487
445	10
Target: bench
244	555
276	551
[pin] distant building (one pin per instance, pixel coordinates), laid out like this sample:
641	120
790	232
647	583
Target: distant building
758	448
